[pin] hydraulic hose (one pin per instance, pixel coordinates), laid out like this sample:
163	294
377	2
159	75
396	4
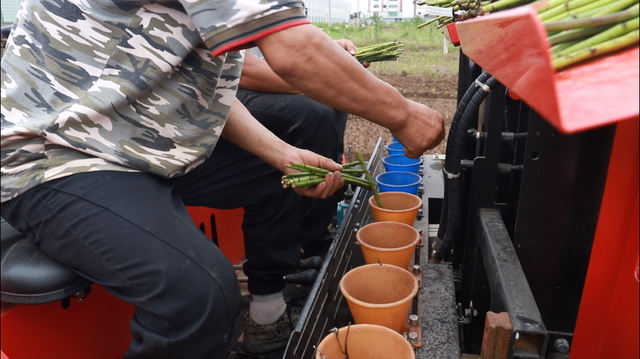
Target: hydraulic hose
455	154
462	105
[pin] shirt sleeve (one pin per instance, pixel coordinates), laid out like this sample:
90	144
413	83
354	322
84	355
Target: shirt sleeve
235	24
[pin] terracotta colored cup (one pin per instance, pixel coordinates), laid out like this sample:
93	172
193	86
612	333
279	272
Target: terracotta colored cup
388	242
398	207
364	341
379	294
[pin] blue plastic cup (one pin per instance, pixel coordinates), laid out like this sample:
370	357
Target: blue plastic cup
395	148
399	182
401	163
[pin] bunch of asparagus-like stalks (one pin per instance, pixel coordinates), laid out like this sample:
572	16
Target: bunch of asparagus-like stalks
387	51
311	176
579	32
578	29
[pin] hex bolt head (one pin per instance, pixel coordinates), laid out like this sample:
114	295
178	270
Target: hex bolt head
562	345
416	269
413	337
413	320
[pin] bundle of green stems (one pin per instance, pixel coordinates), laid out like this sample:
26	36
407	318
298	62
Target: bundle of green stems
311	176
578	30
387	51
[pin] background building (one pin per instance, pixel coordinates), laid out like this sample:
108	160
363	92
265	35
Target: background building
391	10
8	10
327	11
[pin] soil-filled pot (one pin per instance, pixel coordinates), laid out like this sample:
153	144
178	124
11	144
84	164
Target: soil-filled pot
379	294
364	341
398	207
388	242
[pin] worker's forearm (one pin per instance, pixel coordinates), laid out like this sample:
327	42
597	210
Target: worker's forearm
247	133
313	63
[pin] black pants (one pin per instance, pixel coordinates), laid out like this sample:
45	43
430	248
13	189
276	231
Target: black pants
131	233
304	123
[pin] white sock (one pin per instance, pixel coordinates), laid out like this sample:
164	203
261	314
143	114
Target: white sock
266	309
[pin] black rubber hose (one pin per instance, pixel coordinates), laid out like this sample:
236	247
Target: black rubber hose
451	138
455	154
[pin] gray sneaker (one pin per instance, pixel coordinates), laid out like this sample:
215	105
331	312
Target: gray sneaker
265	338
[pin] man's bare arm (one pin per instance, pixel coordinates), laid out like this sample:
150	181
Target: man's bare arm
312	62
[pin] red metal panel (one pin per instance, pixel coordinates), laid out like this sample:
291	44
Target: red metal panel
96	328
607	325
228	229
512	45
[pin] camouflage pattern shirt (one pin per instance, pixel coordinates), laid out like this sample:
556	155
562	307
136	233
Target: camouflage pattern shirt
123	85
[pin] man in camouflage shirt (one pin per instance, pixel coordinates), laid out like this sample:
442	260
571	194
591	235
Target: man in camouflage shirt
111	111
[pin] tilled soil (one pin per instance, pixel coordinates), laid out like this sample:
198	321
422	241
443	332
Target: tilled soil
439	94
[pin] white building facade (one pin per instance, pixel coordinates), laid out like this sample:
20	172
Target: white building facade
327	11
394	10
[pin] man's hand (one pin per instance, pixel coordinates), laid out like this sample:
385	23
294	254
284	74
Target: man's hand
423	130
351	49
332	181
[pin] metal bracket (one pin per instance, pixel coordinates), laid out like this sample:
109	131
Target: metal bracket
510	290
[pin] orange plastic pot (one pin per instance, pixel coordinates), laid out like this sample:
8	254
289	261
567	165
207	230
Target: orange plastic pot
398	207
364	341
379	294
388	242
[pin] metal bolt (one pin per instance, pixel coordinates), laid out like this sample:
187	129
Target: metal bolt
357	201
413	337
355	206
413	320
562	345
416	268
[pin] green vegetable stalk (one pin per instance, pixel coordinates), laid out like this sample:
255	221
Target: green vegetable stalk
387	51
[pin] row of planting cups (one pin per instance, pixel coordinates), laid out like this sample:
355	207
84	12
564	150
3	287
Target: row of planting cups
379	293
401	172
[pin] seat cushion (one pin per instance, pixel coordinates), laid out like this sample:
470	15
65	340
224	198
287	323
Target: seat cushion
29	276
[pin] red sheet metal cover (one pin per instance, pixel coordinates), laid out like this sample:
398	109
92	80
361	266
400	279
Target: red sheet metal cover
512	45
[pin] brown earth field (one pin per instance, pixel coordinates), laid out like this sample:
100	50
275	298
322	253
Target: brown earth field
437	93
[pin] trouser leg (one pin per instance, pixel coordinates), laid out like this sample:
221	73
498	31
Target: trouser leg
304	123
129	233
233	178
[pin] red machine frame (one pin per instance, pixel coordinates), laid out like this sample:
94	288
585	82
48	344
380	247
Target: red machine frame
513	46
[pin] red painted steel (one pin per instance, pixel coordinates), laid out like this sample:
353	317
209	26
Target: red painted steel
607	325
228	229
512	45
97	328
452	32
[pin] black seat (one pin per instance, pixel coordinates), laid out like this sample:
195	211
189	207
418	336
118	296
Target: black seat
6	30
31	277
